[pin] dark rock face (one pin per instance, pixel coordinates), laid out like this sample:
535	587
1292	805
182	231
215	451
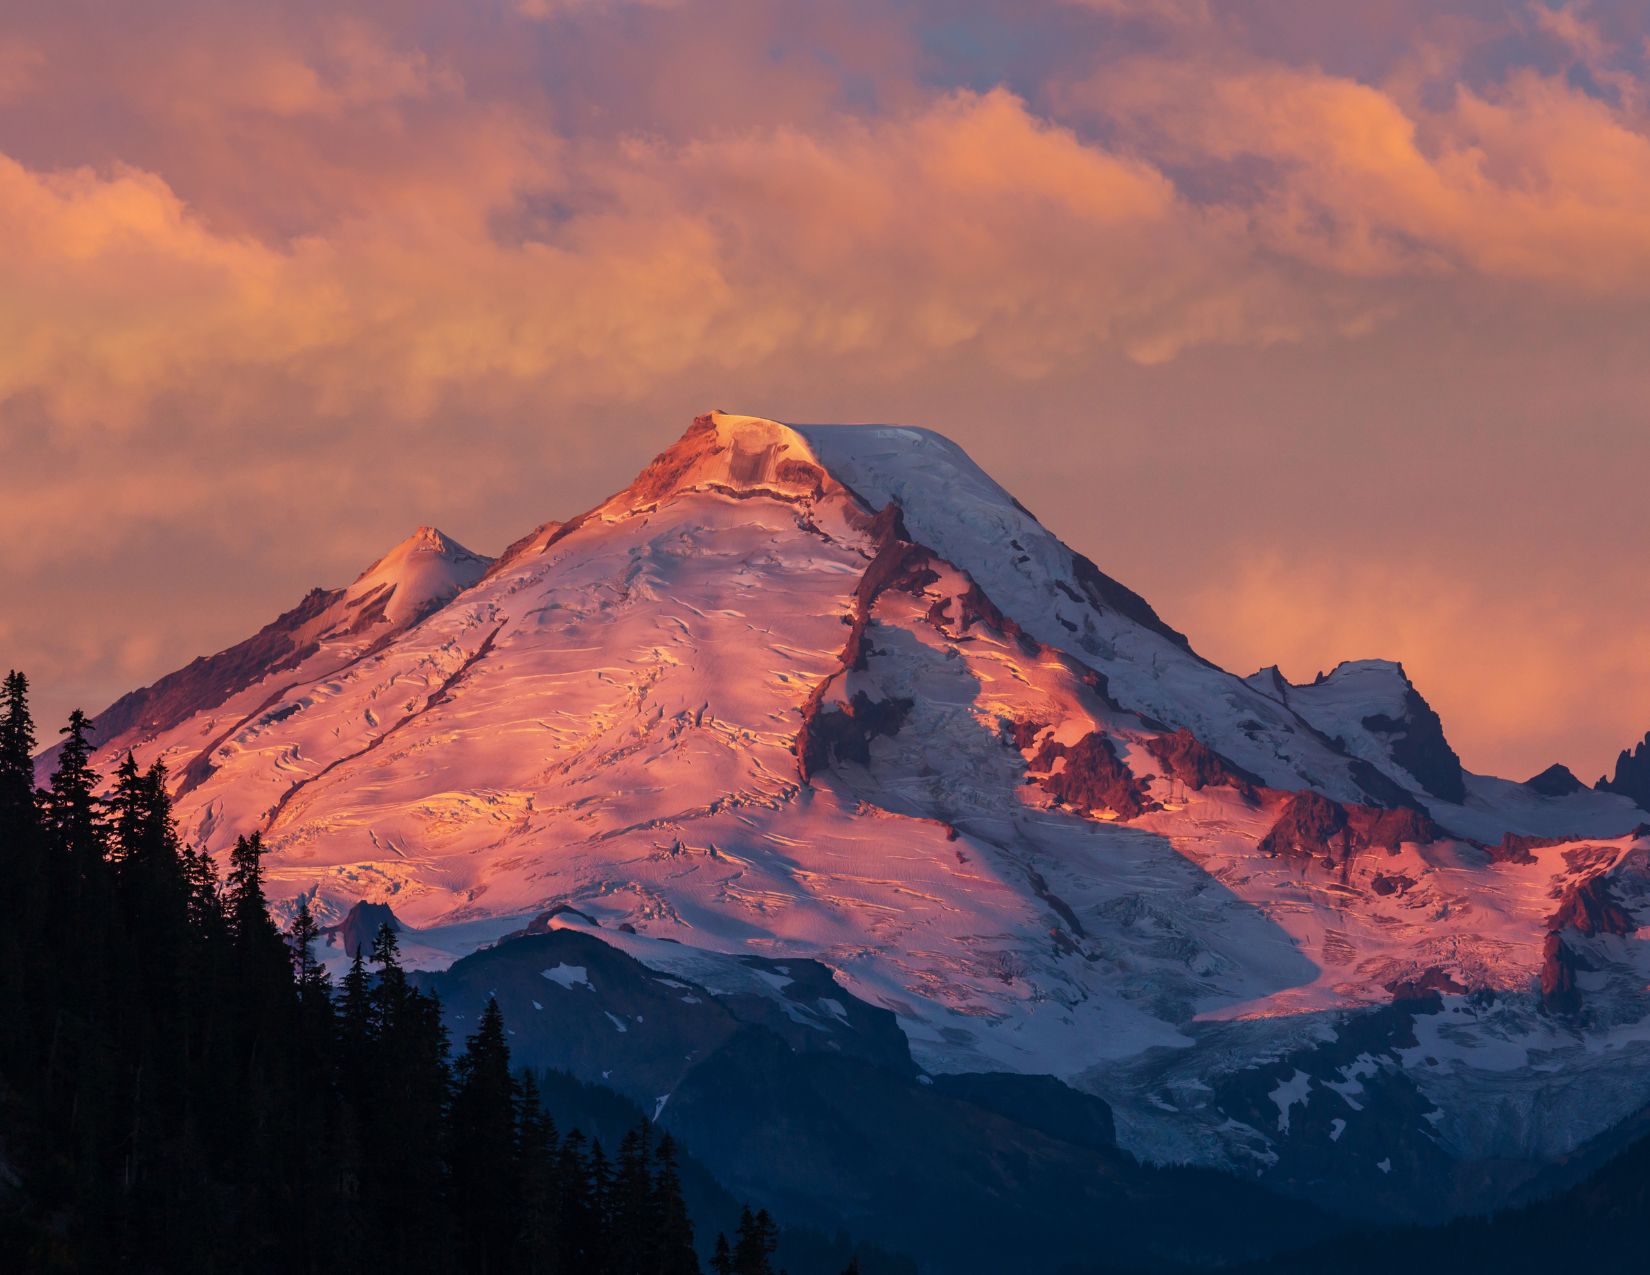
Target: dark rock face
1632	777
356	931
1312	825
1389	829
1022	734
1559	964
1425	986
1587	907
1107	594
1093	779
1515	848
1555	781
835	734
1416	742
1330	1144
1382	790
1195	764
799	473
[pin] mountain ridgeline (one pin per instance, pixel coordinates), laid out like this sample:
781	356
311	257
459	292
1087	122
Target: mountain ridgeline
812	799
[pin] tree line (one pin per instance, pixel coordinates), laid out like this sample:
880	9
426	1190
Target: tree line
182	1087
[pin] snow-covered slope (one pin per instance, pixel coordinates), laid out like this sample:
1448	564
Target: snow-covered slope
1373	711
184	718
829	692
1064	601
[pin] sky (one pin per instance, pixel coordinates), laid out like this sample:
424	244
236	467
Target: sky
1324	326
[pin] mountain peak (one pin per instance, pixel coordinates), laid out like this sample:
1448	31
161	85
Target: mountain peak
732	454
1370	673
423	540
426	569
1556	781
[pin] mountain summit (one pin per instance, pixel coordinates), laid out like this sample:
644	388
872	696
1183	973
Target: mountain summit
831	693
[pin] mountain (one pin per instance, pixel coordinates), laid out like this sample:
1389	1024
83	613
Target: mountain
829	694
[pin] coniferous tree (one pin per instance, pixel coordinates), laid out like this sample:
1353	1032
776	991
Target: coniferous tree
82	1081
601	1208
484	1153
251	929
721	1260
311	975
404	1168
580	1246
539	1151
676	1254
632	1221
22	886
74	819
17	742
757	1240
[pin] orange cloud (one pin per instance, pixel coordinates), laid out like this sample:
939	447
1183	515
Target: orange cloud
1535	181
971	222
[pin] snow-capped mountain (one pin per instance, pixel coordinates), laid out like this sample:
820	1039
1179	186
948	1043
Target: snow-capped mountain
830	693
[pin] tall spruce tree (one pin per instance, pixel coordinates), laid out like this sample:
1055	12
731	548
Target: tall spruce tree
538	1150
485	1155
757	1241
404	1124
17	743
74	815
22	883
633	1222
675	1252
260	958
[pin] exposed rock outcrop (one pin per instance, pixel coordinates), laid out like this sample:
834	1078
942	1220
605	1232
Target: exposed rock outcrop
1187	758
1559	966
1310	825
1108	595
1514	848
1555	781
1416	742
1424	985
1093	778
1313	826
212	679
1632	777
357	930
1588	907
834	733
